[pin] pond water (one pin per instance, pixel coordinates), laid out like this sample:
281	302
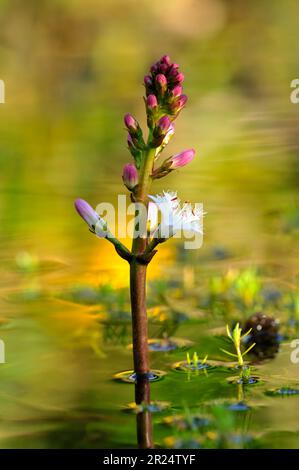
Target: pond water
66	329
64	305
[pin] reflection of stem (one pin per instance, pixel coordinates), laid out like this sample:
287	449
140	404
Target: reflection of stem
144	430
143	419
240	391
246	422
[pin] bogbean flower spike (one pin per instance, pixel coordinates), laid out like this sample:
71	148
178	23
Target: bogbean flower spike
164	100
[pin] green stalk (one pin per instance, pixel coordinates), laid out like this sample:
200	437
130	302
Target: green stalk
239	354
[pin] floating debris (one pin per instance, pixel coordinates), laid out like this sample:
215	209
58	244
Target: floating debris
264	333
263	328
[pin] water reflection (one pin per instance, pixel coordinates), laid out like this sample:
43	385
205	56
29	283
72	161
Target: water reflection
144	417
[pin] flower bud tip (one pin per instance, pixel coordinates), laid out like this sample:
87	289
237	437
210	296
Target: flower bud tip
130	176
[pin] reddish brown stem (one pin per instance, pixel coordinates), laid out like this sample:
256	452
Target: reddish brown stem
139	317
138	280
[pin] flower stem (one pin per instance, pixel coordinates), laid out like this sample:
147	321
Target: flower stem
119	247
138	276
139	317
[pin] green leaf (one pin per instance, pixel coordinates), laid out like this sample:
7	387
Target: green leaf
245	334
228	332
229	353
204	359
237	334
249	349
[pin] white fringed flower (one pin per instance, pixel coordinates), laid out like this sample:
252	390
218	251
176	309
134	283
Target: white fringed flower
175	216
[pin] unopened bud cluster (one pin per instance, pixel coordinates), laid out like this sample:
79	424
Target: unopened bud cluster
163	101
164	84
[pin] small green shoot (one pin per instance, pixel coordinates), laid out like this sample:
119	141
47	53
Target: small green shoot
236	337
195	361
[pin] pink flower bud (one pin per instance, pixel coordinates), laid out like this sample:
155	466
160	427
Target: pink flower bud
177	91
182	101
165	60
163	125
151	102
163	68
161	82
148	81
181	159
130	176
154	68
174	71
178	105
180	77
131	123
161	131
130	141
168	135
88	214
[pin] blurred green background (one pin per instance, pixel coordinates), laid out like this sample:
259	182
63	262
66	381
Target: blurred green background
72	69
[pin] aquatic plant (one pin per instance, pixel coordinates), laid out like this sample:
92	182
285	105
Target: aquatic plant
247	287
236	338
193	365
220	429
164	100
233	291
227	434
195	361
